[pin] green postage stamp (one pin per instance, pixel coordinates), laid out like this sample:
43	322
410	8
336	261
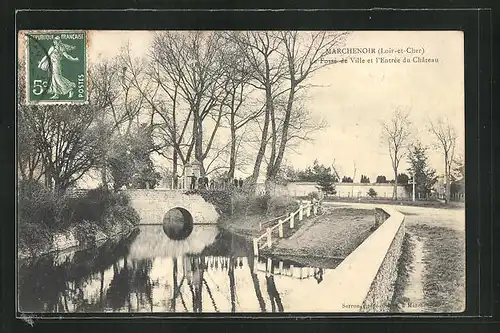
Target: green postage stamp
56	67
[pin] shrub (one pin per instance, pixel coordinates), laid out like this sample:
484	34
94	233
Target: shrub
372	193
33	237
313	195
37	205
85	232
99	205
281	205
220	199
126	213
242	203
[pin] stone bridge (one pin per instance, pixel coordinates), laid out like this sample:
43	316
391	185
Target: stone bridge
153	206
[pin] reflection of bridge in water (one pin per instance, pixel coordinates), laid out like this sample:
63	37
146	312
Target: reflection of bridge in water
210	271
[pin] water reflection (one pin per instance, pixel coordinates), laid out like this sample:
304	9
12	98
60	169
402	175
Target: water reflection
210	271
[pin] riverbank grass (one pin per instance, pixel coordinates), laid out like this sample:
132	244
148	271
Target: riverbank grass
444	269
327	239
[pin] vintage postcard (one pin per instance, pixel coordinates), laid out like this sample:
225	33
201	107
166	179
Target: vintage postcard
240	172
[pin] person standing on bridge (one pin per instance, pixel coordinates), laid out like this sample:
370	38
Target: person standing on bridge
193	181
240	182
176	181
205	179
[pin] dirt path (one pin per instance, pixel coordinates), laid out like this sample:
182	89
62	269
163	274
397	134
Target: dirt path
414	292
453	218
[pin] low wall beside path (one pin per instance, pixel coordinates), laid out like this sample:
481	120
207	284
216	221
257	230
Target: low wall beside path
364	280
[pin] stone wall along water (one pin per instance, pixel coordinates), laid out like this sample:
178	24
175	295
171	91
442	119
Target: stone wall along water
364	281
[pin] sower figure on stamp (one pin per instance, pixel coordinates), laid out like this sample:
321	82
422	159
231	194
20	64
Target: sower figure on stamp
59	85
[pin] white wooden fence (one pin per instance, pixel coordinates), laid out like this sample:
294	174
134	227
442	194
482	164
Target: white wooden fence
304	210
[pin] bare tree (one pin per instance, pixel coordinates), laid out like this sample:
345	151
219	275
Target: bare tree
119	106
241	110
335	170
302	52
446	140
160	88
395	134
194	61
280	64
65	138
266	69
29	158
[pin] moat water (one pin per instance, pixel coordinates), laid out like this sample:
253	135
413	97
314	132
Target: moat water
209	271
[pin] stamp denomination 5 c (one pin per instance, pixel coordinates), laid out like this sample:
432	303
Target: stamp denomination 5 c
56	63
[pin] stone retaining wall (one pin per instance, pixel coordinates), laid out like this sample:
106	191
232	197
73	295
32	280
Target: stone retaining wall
379	297
380	216
364	281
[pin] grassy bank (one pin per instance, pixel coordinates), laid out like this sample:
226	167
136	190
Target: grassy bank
403	279
443	280
324	241
444	272
48	221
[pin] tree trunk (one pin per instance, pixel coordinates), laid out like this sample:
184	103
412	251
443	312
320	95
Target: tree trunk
104	176
232	158
270	185
263	140
284	132
274	142
176	287
395	194
447	180
175	163
101	289
198	141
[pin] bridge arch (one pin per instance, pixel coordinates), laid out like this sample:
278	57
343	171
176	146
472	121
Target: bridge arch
152	205
178	223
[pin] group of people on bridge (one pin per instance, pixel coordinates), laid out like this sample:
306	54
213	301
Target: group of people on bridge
203	182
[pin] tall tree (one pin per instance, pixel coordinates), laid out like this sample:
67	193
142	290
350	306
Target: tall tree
403	178
261	49
303	53
195	63
395	134
240	109
424	176
130	159
446	141
364	179
120	106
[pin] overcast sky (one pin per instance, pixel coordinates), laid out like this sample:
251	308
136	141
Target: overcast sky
355	98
